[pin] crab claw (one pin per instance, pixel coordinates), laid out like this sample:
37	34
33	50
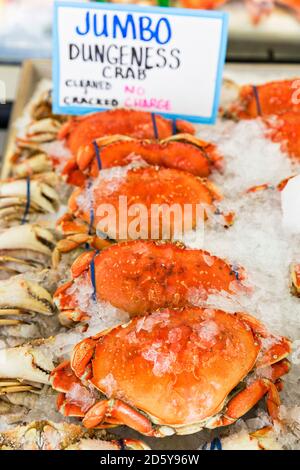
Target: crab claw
19	297
78	238
24	247
86	153
43	130
273	348
181	151
29	362
38	163
74	398
20	196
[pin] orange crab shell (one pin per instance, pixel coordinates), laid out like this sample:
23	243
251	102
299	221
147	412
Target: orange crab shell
138	124
147	187
177	366
203	4
284	129
182	152
294	5
196	351
142	276
267	99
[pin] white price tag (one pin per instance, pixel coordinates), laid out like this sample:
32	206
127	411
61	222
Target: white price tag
163	60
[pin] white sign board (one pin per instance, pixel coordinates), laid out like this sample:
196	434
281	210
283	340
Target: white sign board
162	60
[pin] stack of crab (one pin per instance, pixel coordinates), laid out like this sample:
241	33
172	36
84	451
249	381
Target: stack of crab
133	337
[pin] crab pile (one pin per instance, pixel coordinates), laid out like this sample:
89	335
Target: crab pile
111	328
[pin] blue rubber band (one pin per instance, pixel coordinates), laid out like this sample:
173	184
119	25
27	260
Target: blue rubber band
257	101
235	271
98	156
92	218
93	277
154	125
27	206
214	445
174	127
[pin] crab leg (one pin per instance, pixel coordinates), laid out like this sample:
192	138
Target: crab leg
241	403
68	409
14	386
20	198
25	363
279	346
72	242
31	237
18	297
182	152
38	164
43	130
104	412
119	411
74	398
245	400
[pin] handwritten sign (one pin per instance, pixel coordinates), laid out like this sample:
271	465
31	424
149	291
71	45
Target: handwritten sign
163	60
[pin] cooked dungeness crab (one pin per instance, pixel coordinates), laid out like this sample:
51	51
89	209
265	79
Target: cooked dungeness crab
24	375
47	435
24	248
42	109
252	101
275	103
145	192
173	371
142	276
29	159
182	152
44	125
284	129
22	199
43	130
20	300
83	130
